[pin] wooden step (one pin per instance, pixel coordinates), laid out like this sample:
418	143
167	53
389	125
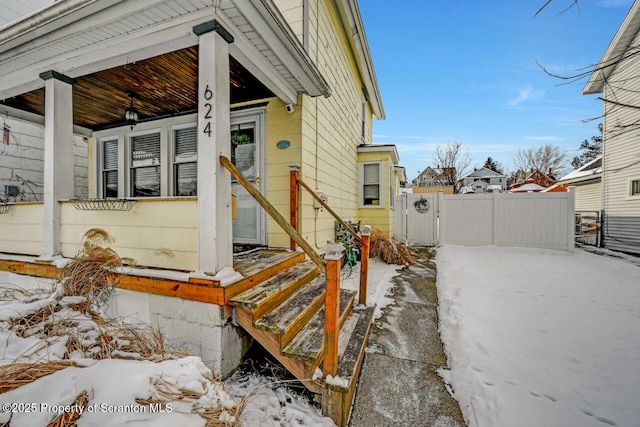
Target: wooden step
271	342
308	343
337	400
259	266
287	319
269	294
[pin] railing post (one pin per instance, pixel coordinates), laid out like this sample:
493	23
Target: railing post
333	256
294	200
364	264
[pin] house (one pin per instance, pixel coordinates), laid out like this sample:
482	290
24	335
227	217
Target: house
535	177
433	177
615	79
432	180
169	99
529	187
478	181
587	181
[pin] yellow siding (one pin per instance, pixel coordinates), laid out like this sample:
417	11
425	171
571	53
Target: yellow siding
331	127
21	229
380	218
280	126
151	225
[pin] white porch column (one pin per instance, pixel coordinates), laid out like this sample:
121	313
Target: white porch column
58	155
215	241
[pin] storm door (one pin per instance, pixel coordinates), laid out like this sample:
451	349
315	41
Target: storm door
247	153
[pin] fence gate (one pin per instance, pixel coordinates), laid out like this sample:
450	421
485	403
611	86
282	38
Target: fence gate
416	218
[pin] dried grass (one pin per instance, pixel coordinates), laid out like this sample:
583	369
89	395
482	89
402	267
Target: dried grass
214	417
16	375
88	274
69	418
389	250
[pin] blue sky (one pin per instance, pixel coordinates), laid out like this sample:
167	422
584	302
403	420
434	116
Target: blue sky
465	70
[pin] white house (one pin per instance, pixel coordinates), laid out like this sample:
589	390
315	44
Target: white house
615	78
480	179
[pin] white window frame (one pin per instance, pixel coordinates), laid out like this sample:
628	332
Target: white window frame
631	181
98	160
172	171
130	167
381	186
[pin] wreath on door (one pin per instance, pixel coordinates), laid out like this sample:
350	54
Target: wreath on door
421	205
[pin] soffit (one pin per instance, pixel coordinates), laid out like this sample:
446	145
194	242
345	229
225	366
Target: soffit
146	46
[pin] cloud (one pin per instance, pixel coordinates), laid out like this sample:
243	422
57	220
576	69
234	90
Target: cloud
613	3
524	94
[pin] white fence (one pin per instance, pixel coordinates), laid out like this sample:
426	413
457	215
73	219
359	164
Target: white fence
541	220
416	218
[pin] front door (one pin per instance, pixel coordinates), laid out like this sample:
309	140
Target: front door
247	153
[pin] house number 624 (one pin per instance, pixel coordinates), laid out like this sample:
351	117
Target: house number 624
208	94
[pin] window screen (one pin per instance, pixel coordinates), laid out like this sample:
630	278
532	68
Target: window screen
185	166
145	165
371	185
110	168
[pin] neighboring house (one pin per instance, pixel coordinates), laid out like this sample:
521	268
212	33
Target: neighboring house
432	180
158	91
529	187
480	179
433	177
616	79
535	177
587	182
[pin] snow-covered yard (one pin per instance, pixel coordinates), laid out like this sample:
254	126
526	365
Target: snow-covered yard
533	338
539	337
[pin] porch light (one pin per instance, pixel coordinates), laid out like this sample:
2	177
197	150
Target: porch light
131	114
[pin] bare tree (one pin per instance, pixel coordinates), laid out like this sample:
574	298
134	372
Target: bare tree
546	158
453	159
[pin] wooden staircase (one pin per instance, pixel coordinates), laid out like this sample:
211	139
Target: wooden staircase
284	311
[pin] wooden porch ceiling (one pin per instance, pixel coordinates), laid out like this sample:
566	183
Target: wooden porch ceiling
164	85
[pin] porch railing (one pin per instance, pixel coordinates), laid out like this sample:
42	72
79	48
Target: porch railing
331	267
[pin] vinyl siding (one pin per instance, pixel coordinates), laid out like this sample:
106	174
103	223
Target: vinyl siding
331	127
588	197
621	160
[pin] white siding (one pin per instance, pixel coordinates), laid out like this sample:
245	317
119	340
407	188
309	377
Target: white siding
621	159
589	197
22	161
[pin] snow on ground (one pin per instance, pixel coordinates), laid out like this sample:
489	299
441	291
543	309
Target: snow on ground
112	386
540	337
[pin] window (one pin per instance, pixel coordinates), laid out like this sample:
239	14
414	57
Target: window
185	166
145	165
371	184
110	168
634	188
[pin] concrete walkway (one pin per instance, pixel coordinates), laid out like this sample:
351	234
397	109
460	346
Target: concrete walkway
398	384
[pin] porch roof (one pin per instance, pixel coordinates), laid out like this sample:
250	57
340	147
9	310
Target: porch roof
111	45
